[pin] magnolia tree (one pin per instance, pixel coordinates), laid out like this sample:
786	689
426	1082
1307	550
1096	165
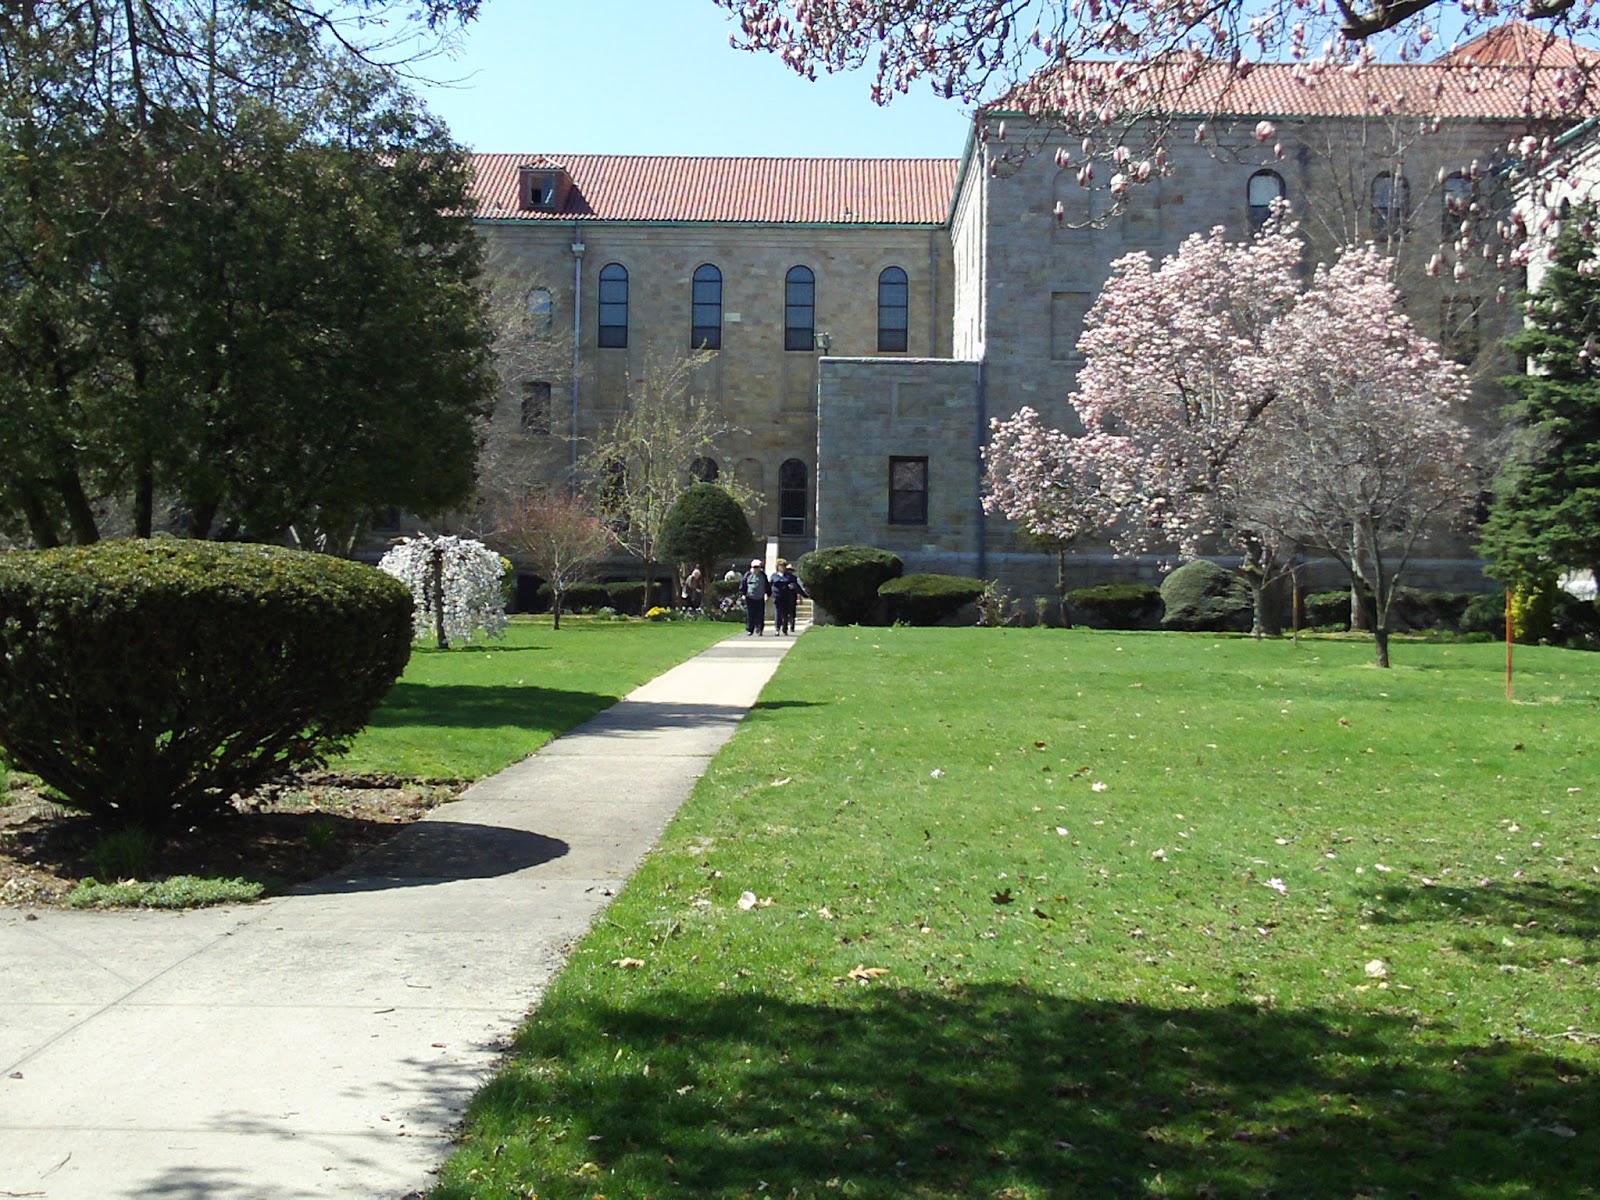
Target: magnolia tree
457	587
1361	453
1180	366
1045	481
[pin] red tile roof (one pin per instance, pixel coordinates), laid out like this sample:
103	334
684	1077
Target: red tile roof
612	187
1514	72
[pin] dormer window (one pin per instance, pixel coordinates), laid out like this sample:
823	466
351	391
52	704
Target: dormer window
543	189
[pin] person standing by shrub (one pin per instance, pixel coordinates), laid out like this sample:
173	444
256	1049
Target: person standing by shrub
693	587
786	593
755	588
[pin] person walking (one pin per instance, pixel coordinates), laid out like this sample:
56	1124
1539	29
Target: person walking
692	588
755	589
786	593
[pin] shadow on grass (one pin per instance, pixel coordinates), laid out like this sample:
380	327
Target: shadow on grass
884	1094
1533	909
479	648
470	706
776	704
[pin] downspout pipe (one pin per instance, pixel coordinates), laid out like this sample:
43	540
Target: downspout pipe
577	340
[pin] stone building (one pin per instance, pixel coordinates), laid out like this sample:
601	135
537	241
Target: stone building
870	317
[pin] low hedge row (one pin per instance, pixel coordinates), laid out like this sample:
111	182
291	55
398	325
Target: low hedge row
929	599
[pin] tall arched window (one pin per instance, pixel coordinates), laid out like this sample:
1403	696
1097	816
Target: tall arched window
1391	204
706	301
1264	187
799	309
704	470
613	332
894	309
1457	196
793	498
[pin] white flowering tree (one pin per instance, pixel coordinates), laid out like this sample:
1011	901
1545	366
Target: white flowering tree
456	585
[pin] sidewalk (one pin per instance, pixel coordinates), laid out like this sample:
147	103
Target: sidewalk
323	1043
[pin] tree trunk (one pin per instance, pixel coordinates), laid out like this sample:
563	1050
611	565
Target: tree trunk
1061	586
436	596
1380	642
557	595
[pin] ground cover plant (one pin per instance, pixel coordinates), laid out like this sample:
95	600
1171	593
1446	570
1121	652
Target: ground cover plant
1036	913
455	716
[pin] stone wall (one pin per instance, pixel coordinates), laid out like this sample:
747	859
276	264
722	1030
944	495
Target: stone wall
872	411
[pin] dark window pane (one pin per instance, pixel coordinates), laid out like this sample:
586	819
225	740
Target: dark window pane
705	470
908	491
536	408
705	301
792	498
894	309
613	330
799	309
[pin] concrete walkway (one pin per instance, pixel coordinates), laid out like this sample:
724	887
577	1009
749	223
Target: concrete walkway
323	1043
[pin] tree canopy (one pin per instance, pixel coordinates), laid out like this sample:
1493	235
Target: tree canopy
237	293
1545	518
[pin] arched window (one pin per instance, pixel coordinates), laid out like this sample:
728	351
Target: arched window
1264	187
613	333
706	301
1457	196
1391	205
541	309
793	498
704	470
799	309
894	312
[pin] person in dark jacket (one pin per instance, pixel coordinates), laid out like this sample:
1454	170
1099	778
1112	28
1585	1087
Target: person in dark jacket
755	589
786	593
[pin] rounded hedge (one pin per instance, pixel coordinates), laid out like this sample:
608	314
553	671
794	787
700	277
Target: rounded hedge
1116	606
844	581
149	681
928	599
1201	596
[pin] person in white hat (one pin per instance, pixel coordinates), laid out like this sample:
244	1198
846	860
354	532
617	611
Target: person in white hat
755	589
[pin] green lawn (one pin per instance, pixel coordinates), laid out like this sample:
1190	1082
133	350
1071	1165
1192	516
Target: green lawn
1077	914
468	711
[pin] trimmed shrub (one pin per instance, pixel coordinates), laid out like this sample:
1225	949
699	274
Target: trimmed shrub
1327	610
704	524
149	681
929	599
580	597
844	580
1485	613
1116	606
1203	597
1430	610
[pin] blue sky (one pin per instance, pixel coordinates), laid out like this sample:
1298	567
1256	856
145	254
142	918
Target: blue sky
658	77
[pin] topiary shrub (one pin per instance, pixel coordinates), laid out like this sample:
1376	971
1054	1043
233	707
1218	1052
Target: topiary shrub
928	599
1203	597
1116	606
1327	610
704	524
844	580
149	681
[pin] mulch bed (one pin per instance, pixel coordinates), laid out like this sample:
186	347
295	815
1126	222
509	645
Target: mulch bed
284	834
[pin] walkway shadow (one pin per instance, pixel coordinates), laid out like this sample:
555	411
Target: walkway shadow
434	851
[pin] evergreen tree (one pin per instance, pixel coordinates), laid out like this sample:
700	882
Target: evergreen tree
1545	518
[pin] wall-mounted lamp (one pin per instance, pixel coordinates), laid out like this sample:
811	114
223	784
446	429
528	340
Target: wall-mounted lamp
824	341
